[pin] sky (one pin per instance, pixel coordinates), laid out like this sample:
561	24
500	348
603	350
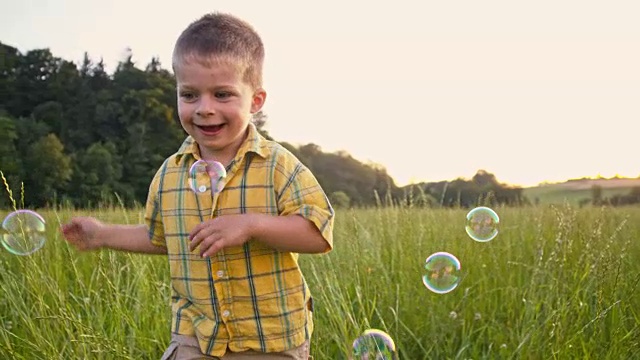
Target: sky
531	91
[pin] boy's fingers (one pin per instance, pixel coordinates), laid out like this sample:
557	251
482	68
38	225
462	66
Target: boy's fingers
204	246
66	228
194	243
203	249
196	230
199	233
212	249
208	225
197	238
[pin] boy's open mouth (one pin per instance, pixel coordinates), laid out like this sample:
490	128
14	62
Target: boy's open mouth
211	129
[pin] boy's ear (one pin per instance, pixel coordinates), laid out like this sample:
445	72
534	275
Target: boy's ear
259	97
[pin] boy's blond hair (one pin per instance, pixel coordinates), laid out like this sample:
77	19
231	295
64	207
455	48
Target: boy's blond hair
222	37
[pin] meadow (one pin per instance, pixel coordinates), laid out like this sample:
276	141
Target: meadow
580	190
558	282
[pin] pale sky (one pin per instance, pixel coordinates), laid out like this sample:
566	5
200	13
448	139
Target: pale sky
433	90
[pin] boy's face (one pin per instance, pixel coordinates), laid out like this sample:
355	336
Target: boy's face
215	106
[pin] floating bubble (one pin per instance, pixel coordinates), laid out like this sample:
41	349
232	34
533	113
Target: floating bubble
374	344
23	232
206	175
443	272
482	224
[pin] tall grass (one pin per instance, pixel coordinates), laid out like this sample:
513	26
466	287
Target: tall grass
557	283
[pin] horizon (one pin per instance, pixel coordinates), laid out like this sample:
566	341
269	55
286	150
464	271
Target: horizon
482	86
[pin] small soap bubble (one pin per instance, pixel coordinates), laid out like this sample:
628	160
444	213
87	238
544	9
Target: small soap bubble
23	232
206	175
442	272
482	224
374	344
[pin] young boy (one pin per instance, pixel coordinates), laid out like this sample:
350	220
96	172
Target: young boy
237	290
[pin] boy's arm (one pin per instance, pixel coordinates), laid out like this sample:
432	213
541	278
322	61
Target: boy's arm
131	238
87	233
284	233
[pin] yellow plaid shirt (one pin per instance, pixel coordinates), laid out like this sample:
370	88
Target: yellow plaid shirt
248	297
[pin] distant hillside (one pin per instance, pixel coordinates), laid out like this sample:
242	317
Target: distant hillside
575	190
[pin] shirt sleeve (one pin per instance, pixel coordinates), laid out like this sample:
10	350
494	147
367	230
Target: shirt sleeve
153	213
299	193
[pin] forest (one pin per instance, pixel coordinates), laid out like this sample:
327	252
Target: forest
74	134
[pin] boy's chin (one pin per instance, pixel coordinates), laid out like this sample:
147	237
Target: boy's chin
214	149
210	146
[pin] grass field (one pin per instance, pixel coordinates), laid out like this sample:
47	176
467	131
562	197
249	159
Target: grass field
557	283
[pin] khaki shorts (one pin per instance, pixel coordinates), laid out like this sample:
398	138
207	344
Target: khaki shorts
184	347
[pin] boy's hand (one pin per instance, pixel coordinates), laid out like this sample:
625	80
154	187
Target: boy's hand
81	232
221	232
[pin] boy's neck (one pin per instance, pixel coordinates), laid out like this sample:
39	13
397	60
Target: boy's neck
224	156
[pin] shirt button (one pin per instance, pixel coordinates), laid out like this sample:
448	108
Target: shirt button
226	313
220	273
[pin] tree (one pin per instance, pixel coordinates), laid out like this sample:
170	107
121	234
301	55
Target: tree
150	135
596	195
10	162
485	180
33	78
339	199
482	189
50	113
49	170
9	63
101	171
260	119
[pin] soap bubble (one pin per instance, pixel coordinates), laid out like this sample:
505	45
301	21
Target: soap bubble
443	272
374	344
206	175
23	232
482	224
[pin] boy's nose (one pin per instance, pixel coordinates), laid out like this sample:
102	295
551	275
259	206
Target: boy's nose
205	107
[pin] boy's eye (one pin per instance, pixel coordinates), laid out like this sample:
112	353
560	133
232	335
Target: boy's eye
223	94
188	96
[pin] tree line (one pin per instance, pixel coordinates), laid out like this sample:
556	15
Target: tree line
597	198
75	134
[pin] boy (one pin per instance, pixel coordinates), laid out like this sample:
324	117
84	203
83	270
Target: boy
237	290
